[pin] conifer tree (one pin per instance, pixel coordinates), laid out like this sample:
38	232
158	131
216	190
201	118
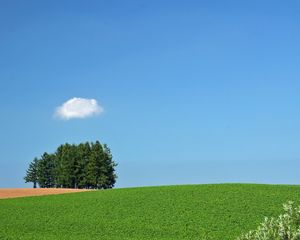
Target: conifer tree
59	167
46	171
31	173
66	165
92	169
81	164
110	168
87	165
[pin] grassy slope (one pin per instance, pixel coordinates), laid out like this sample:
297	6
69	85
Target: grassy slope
173	212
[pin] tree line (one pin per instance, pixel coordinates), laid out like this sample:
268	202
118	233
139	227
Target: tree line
86	165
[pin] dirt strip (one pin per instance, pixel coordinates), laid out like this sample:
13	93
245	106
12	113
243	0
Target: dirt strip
26	192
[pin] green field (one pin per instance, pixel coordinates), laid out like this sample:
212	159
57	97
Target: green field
221	211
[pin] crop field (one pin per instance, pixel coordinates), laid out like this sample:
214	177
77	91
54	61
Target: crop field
220	212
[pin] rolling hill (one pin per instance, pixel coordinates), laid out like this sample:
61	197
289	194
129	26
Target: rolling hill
216	211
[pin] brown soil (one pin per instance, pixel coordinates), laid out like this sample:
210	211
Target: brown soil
25	192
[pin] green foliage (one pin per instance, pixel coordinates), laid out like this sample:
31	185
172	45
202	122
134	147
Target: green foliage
285	227
31	173
87	165
46	171
215	212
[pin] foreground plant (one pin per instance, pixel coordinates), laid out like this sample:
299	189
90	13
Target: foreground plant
285	227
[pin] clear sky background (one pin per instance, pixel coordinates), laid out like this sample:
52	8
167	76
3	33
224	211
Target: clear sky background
192	91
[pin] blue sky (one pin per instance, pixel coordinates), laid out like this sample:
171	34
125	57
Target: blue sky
192	91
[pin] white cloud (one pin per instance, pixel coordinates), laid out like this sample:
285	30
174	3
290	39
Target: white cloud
78	108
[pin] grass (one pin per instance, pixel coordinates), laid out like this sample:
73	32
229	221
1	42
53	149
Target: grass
221	211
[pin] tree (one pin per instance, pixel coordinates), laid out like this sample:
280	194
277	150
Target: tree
82	160
65	156
87	165
46	171
92	169
31	173
109	166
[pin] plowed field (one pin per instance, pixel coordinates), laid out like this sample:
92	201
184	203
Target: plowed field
26	192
